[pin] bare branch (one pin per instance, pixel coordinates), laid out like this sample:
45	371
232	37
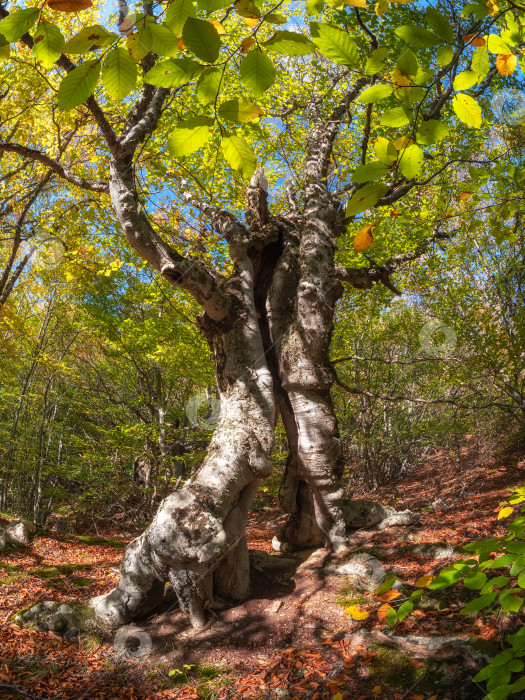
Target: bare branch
55	166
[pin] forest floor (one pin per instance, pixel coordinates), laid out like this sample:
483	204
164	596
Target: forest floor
289	640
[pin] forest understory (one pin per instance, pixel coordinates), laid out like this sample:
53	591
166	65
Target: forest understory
293	637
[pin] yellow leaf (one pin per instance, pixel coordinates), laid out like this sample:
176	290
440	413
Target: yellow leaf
356	3
505	512
423	581
474	40
337	696
218	26
402	143
492	6
363	239
389	595
357	613
247	43
381	7
250	21
400	79
377	690
506	63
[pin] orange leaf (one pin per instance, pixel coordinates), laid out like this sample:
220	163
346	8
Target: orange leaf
382	612
464	195
395	213
181	44
474	40
218	26
378	690
423	581
69	5
247	43
363	239
416	664
389	595
506	63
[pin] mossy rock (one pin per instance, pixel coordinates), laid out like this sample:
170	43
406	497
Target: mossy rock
394	669
51	572
61	618
82	582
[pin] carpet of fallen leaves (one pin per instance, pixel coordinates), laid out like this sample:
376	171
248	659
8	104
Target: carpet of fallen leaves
457	506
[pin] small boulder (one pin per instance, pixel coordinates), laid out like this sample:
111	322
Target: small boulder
15	533
363	513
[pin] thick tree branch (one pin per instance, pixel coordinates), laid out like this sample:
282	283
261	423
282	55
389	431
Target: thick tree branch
143	118
366	277
55	166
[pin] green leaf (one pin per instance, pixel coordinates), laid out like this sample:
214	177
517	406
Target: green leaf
376	62
173	72
396	117
189	136
445	56
418	37
475	580
521	580
257	71
314	7
488	545
208	85
515	547
48	43
290	44
386	585
517	565
465	80
371	171
365	197
276	18
467	110
119	73
239	155
431	131
89	39
407	62
479	603
385	151
78	85
335	44
440	25
212	5
495	44
445	579
202	39
391	617
240	110
177	14
158	38
510	602
480	61
376	93
247	8
405	610
496	582
411	161
18	23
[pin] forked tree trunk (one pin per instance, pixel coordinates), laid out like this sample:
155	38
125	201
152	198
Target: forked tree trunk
197	538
